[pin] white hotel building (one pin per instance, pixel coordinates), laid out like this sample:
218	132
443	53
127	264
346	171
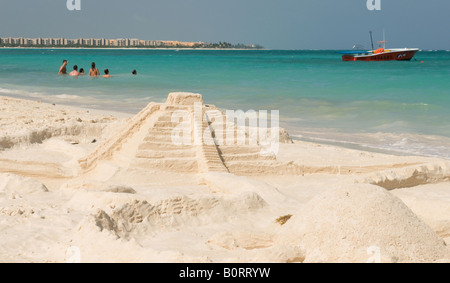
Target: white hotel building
94	42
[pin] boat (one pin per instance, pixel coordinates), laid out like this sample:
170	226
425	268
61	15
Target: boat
380	54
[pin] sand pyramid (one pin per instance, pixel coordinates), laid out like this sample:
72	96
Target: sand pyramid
185	135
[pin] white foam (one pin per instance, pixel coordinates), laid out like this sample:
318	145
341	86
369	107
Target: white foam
125	105
68	96
404	144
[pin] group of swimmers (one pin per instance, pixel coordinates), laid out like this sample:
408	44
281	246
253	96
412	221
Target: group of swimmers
93	72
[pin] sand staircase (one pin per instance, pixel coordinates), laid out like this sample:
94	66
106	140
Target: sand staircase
160	149
182	136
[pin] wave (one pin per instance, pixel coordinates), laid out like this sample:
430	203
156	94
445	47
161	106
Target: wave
19	92
128	105
68	96
390	143
42	95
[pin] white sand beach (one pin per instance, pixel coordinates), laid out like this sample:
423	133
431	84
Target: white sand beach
83	185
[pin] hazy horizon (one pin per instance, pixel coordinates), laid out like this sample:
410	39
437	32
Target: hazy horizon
277	25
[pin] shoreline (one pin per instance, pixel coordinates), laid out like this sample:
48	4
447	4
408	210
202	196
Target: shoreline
190	48
74	107
136	48
365	146
355	146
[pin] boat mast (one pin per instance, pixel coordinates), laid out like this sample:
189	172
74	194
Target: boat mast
371	39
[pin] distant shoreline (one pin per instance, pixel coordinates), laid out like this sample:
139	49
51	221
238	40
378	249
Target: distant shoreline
134	48
188	48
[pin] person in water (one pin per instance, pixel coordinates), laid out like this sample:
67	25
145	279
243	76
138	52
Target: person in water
75	72
93	72
134	72
106	75
81	72
63	68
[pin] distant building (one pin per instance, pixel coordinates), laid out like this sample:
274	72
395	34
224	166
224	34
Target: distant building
120	42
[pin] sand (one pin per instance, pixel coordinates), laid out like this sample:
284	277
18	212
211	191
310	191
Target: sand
82	185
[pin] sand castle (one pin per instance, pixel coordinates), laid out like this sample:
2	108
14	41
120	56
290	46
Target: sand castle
162	187
151	135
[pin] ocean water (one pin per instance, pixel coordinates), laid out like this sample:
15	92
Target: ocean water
401	107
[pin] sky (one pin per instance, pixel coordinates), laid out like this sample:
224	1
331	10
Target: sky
274	24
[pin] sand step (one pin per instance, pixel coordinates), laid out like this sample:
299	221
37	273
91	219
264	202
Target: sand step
170	164
165	124
213	161
161	134
241	149
210	148
263	168
223	127
159	138
217	168
174	107
161	130
231	135
168	116
167	135
165	118
166	154
210	151
166	112
154	145
246	157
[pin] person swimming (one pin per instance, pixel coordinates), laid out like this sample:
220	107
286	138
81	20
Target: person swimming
106	75
81	71
93	72
75	72
134	72
63	68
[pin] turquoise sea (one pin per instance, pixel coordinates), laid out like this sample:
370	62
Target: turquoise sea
396	106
